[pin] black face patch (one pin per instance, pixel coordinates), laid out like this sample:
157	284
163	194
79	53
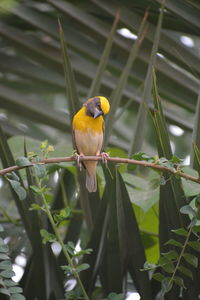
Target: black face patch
92	105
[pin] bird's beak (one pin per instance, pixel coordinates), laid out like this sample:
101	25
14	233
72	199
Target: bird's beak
97	113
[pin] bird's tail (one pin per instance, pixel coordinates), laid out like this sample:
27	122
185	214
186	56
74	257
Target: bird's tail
91	180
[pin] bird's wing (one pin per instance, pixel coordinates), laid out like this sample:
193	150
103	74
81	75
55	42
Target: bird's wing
75	145
103	130
74	140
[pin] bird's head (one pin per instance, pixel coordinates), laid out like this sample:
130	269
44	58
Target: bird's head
97	106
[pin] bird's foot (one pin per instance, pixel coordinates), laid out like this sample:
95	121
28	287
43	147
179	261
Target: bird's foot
77	158
104	157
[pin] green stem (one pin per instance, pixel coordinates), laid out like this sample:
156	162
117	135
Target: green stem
65	200
70	262
181	255
13	221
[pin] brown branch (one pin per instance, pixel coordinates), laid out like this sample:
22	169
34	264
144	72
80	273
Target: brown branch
111	159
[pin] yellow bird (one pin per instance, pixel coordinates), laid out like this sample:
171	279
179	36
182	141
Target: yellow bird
88	132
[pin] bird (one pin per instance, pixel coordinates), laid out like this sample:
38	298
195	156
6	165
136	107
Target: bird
88	134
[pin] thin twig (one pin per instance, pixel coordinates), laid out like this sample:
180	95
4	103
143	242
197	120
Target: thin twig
111	159
181	255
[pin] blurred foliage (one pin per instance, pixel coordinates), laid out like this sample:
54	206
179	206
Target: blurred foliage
108	48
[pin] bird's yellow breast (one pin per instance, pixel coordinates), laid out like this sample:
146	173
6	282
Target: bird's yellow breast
83	123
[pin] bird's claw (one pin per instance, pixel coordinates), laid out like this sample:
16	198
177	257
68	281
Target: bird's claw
77	158
104	157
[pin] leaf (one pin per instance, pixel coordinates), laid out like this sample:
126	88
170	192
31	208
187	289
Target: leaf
4	248
68	270
71	91
93	34
46	236
117	93
144	198
167	164
171	194
51	31
70	248
85	200
112	280
23	162
63	214
162	136
174	243
190	188
71	245
179	281
10	282
95	86
190	13
171	255
166	285
196	228
143	192
35	206
82	252
40	170
1	242
193	222
148	224
3	256
6	265
185	271
138	137
129	236
4	291
197	204
82	267
135	182
187	209
17	297
36	189
175	159
158	276
132	21
15	290
142	156
196	153
7	274
166	264
39	112
97	240
191	259
19	190
114	296
195	245
14	176
180	231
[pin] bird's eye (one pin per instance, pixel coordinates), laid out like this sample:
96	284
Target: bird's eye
98	106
